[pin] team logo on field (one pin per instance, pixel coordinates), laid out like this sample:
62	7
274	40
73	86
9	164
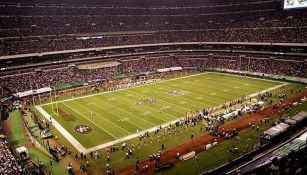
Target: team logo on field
83	129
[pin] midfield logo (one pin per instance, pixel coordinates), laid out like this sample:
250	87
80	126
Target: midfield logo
83	129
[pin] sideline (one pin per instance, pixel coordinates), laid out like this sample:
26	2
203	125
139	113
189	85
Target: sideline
82	149
62	130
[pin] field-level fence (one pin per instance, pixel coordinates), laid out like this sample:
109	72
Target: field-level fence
29	166
36	165
36	139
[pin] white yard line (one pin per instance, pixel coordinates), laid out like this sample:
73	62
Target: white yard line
88	109
166	124
130	113
164	112
81	148
182	97
62	130
126	88
90	121
118	116
158	83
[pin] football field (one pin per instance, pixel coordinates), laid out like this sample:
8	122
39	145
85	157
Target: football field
101	119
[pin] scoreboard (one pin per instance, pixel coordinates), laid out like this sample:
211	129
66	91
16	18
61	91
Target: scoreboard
290	4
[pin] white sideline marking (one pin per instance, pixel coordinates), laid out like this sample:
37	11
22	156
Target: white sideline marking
128	137
266	90
81	148
225	90
62	130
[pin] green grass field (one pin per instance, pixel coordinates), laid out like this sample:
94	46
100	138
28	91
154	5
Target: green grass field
19	139
220	152
113	115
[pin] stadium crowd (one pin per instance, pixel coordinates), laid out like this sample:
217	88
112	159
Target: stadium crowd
8	163
37	28
22	31
255	63
292	164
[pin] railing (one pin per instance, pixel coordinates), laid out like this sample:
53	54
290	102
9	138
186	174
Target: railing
35	138
37	167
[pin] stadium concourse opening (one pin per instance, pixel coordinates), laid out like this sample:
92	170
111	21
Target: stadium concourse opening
145	87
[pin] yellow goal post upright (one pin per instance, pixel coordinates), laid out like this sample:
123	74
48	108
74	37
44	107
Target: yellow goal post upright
50	94
30	82
56	101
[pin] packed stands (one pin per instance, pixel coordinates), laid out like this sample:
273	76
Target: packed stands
9	165
34	28
67	74
28	28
